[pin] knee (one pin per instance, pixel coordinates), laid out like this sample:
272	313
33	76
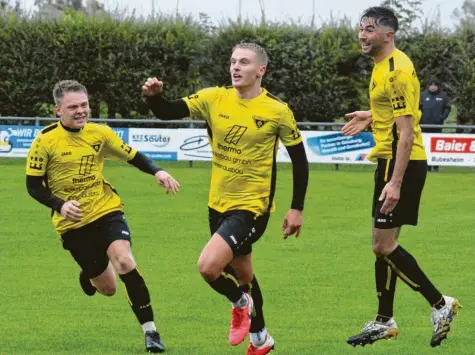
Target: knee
108	290
123	263
378	250
207	271
382	249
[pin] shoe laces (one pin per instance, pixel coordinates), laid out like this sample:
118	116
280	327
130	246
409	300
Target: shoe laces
154	336
373	325
369	325
441	314
238	314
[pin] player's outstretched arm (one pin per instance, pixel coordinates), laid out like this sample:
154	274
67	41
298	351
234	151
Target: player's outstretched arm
145	164
300	171
161	107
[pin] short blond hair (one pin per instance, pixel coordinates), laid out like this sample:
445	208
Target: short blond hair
261	53
64	86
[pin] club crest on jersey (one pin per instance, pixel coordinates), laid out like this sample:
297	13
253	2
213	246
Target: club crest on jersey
96	147
260	121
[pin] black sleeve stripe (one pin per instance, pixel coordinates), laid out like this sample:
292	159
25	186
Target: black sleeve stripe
273	176
391	64
209	131
395	140
113	190
49	128
274	97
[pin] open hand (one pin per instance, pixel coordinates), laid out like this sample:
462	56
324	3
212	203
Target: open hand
292	223
167	181
360	120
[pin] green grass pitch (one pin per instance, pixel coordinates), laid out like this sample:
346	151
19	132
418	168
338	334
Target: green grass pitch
318	289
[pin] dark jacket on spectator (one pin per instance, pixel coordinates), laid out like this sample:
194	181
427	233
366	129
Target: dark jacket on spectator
435	107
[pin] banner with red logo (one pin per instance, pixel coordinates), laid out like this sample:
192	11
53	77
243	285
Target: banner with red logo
450	149
321	146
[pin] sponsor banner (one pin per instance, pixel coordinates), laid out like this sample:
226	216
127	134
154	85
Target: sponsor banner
321	147
123	133
15	141
171	156
159	144
193	144
450	149
334	147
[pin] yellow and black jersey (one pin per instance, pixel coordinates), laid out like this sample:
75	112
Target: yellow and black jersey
72	163
244	135
394	92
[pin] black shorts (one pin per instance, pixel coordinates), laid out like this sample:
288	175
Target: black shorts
88	244
407	209
239	228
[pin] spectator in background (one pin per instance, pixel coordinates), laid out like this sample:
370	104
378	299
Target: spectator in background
435	108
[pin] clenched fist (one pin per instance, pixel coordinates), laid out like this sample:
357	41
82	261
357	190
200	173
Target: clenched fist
152	87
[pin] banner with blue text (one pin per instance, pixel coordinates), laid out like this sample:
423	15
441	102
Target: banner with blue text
193	144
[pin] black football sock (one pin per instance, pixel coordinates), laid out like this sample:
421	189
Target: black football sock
227	286
138	295
385	287
257	316
409	271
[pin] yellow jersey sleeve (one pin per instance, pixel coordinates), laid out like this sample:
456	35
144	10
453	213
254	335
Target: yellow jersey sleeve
289	133
116	147
199	103
400	89
37	159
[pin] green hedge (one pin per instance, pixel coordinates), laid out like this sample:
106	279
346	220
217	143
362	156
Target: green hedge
319	72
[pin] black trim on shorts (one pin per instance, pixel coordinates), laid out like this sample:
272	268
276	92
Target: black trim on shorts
238	228
88	244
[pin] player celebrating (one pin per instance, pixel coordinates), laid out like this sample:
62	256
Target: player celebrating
399	179
64	172
244	123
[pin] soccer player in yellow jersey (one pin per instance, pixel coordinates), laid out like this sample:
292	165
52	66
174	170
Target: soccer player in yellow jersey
64	172
399	178
245	123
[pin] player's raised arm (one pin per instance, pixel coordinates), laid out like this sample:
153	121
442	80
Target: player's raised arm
161	107
195	106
